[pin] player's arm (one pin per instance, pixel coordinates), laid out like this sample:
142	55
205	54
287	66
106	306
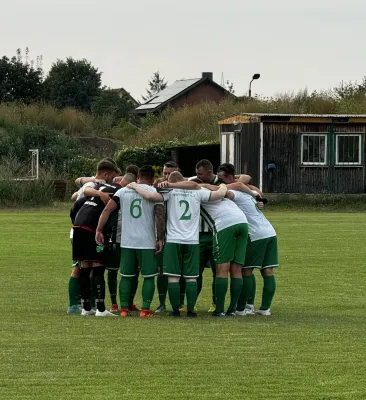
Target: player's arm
219	193
256	189
243	178
91	192
152	196
208	186
241	187
160	226
189	185
79	182
230	195
103	219
74	196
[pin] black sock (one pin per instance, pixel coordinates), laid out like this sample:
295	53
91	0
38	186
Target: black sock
99	287
213	284
85	288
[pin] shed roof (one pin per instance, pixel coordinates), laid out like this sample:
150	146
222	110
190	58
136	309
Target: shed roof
306	118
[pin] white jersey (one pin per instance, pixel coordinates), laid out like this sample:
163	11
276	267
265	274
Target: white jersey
183	210
138	218
81	190
222	214
259	226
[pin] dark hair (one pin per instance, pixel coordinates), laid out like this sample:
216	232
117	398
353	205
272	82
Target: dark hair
227	168
206	164
109	160
105	165
132	169
147	172
197	180
171	164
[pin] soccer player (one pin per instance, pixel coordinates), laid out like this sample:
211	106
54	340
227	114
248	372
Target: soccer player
106	171
230	235
181	255
262	251
85	251
162	280
139	243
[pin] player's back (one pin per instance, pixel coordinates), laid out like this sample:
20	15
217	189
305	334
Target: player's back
259	226
222	213
138	222
183	210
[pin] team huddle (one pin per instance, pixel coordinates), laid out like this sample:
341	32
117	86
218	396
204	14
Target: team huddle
168	231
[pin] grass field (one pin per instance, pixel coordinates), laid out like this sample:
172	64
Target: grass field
313	347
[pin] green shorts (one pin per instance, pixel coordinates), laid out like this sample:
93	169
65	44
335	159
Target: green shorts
206	250
230	244
182	259
160	259
131	259
262	253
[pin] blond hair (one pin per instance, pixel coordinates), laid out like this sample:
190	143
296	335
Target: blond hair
175	176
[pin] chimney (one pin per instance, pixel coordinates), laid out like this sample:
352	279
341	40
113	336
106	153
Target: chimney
208	75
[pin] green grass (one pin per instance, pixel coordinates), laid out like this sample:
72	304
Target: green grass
313	347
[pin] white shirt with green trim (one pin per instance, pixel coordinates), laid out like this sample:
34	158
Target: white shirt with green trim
183	210
138	218
222	214
259	226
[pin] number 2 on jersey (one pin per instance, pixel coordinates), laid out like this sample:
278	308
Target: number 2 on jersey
184	216
135	208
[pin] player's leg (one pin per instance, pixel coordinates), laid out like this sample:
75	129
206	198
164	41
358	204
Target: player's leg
128	269
182	294
213	285
205	249
134	286
190	264
269	282
250	303
162	284
149	271
173	270
253	259
85	288
111	258
74	289
99	290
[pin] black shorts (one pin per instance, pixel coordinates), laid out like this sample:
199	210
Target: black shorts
84	247
111	255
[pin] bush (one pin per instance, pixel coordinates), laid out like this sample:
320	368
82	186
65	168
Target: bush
154	154
81	166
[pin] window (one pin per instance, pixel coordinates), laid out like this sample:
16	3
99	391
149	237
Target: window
348	149
314	149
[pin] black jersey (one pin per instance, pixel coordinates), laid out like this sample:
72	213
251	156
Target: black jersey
88	215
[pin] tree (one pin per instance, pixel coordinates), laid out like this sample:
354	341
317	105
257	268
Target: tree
230	87
72	83
156	85
20	81
347	90
110	103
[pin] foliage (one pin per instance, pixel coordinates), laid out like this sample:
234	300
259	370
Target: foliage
55	149
110	103
81	166
230	87
156	85
154	154
72	83
19	81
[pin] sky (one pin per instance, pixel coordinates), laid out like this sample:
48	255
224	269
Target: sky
312	44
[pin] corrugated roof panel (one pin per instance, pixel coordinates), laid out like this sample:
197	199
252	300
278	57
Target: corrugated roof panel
168	93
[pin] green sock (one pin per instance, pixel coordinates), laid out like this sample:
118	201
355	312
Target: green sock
221	285
174	291
112	285
236	284
148	289
245	292
191	292
269	288
74	291
162	283
182	284
252	295
213	288
124	291
133	289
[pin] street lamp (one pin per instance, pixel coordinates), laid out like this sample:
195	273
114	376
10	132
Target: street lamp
255	76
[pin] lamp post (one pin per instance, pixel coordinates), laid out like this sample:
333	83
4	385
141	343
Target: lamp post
255	76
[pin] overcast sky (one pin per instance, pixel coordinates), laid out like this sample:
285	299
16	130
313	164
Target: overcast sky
292	44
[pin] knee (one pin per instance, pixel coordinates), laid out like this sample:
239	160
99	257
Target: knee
267	272
98	271
75	273
247	271
173	279
191	279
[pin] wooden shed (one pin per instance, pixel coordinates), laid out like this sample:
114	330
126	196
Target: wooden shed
297	153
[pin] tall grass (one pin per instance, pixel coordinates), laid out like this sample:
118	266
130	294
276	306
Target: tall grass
24	193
